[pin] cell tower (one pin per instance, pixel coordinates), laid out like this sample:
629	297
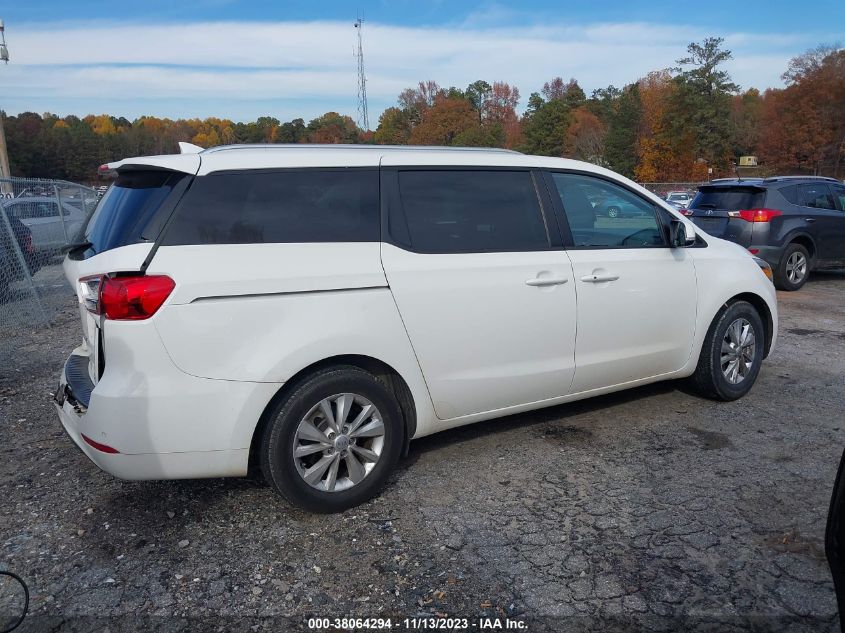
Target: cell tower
363	117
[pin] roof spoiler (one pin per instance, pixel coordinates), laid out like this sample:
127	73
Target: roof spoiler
189	148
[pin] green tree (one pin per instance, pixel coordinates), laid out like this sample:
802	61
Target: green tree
291	132
394	127
620	146
702	103
477	94
545	126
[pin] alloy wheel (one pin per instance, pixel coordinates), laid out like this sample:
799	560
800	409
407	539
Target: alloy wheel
738	347
338	442
796	267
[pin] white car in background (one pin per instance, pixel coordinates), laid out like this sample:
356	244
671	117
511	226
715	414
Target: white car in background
679	199
308	311
40	214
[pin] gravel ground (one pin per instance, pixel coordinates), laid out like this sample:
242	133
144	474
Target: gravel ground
649	509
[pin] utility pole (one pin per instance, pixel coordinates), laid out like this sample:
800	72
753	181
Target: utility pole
363	117
4	156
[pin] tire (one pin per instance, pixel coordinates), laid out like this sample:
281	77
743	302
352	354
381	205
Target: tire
710	379
790	274
613	212
291	427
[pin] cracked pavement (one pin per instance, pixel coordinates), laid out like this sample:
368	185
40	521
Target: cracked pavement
650	508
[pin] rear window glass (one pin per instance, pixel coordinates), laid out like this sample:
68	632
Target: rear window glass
465	211
125	214
248	207
729	198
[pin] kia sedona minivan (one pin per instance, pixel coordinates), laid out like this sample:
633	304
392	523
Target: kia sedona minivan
305	312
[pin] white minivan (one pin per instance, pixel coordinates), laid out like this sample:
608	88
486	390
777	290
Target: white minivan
304	312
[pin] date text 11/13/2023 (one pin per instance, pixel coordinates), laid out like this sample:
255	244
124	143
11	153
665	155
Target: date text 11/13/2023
418	624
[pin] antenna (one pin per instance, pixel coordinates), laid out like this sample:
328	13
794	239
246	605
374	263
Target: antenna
363	117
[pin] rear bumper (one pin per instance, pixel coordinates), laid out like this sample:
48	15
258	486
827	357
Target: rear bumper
771	254
168	426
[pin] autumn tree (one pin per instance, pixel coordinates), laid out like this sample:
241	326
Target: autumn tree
498	113
569	92
805	122
443	122
746	122
415	101
394	127
585	137
332	128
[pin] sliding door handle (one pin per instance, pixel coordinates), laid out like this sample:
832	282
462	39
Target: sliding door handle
546	281
597	279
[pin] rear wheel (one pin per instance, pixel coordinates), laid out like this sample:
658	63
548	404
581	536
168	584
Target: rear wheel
332	443
732	353
793	269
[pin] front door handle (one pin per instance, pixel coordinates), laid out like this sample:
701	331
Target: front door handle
810	220
546	281
596	279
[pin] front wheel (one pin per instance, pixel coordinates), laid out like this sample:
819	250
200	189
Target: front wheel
613	212
332	443
731	354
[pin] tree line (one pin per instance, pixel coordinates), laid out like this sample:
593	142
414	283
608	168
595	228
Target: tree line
677	124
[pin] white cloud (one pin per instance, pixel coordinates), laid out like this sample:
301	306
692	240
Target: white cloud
310	65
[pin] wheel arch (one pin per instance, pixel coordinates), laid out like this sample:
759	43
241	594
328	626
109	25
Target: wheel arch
378	368
805	240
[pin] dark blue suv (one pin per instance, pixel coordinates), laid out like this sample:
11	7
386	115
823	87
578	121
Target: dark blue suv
796	223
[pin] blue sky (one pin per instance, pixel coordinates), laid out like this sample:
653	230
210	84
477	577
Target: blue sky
239	59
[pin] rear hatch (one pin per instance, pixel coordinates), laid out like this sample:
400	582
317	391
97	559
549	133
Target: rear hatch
118	238
715	209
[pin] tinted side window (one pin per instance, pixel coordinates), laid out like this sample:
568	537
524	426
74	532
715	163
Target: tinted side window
839	195
247	207
790	193
816	196
471	211
601	214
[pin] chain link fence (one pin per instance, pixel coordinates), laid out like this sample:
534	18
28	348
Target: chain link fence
38	218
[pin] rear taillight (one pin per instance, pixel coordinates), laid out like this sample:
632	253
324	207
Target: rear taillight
27	244
755	215
684	211
126	298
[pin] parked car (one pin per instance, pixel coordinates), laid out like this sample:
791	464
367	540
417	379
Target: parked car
679	199
796	223
41	215
307	311
616	204
11	268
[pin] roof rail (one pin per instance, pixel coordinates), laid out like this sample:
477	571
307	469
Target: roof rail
735	179
777	178
348	146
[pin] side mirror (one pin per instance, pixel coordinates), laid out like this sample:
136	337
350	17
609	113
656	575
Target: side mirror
681	234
